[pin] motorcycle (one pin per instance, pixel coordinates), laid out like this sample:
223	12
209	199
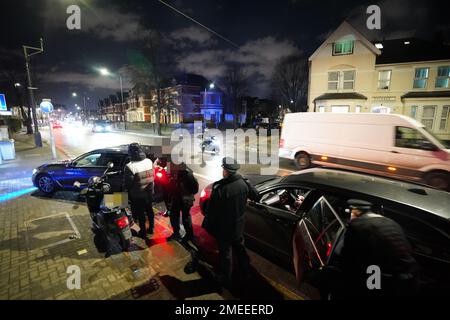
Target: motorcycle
111	226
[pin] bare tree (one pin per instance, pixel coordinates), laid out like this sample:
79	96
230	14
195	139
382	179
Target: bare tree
150	67
236	85
12	72
290	81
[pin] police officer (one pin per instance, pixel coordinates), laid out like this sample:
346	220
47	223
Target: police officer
225	218
185	186
138	180
375	240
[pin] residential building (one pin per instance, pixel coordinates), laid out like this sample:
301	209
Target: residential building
349	73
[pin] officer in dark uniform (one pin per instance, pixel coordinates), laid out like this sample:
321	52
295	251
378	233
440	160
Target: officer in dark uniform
374	240
225	218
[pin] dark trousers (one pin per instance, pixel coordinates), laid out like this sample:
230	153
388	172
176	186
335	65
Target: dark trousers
140	208
177	207
226	250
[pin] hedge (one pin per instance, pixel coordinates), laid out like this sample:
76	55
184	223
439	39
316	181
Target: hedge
14	124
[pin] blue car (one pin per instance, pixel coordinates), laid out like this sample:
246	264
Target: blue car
61	175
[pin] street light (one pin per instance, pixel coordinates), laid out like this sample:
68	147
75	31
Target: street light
37	134
212	86
105	72
74	94
17	85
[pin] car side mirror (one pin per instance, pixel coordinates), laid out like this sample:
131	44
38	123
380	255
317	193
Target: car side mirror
428	146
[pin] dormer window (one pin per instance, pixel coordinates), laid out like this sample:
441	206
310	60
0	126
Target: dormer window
343	47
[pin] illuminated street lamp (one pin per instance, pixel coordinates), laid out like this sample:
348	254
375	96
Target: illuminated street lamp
74	94
105	72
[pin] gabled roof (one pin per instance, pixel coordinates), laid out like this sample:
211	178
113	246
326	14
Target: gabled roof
341	95
411	50
347	28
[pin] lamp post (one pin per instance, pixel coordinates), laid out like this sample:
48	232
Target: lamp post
105	72
37	134
85	111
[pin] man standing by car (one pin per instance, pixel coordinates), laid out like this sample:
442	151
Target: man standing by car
225	218
185	186
374	243
138	180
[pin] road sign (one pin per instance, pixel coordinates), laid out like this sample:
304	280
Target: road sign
46	106
3	102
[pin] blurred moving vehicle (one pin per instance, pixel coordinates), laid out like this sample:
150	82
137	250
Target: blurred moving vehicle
62	175
210	145
386	144
300	220
111	226
102	126
56	125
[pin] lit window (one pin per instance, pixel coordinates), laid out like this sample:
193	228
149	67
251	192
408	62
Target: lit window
345	47
421	78
413	112
381	109
443	77
384	79
358	109
428	116
339	109
333	80
444	118
379	45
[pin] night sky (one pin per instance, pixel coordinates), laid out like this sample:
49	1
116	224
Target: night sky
264	31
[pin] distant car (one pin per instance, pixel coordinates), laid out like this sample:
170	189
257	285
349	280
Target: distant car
62	175
102	126
305	237
57	125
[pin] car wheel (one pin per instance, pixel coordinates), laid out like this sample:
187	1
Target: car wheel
46	184
439	180
302	160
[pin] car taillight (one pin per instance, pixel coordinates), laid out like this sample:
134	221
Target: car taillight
159	175
122	222
281	143
203	194
329	246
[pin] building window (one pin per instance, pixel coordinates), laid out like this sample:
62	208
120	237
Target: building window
413	112
349	80
341	48
321	109
443	77
339	109
428	116
333	80
444	118
421	78
358	109
384	79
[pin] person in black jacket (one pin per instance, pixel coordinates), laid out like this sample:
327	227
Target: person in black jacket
184	187
138	180
225	218
374	240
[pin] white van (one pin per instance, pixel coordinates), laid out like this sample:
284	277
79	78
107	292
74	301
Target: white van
385	144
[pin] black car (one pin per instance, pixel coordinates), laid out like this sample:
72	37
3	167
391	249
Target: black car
62	175
303	235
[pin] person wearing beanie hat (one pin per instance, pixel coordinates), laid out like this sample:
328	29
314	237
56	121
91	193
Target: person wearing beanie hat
138	180
225	219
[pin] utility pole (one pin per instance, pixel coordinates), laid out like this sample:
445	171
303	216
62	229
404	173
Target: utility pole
37	134
124	111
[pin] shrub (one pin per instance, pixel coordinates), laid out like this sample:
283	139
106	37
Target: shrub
14	124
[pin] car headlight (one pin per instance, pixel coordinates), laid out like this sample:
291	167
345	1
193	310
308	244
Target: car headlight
98	128
35	171
108	128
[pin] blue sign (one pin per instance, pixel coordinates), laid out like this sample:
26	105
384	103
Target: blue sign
3	102
46	106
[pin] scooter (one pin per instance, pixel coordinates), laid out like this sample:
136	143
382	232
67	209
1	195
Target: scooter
111	226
